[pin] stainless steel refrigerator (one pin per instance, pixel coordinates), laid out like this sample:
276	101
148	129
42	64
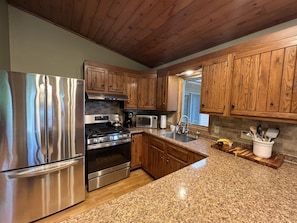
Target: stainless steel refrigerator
42	168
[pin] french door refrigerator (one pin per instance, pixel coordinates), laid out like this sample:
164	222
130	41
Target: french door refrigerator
42	158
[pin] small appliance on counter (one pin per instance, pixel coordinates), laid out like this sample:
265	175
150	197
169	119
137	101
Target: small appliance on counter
163	122
146	121
128	119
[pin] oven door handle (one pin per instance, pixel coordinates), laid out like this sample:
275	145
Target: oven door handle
107	144
41	170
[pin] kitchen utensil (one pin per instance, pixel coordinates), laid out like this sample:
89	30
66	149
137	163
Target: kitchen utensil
259	129
253	130
271	134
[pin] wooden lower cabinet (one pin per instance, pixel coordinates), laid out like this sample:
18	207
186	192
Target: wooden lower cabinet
136	150
161	158
145	152
176	159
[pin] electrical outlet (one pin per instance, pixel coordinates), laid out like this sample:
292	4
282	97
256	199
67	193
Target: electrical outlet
243	135
216	129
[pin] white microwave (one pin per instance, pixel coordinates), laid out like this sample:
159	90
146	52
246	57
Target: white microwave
146	121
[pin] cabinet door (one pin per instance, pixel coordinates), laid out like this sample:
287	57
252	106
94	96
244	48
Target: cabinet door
264	84
115	81
161	92
131	91
145	153
213	91
147	92
96	79
176	159
155	165
157	162
136	150
173	164
167	93
195	157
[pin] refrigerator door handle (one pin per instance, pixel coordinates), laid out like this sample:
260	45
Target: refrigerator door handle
50	118
42	126
42	170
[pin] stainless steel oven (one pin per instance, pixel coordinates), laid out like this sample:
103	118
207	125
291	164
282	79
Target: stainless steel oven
108	154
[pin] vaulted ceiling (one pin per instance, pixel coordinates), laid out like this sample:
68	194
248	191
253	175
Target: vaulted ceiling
155	32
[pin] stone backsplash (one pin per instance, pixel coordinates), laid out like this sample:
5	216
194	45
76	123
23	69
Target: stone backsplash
219	126
102	107
117	107
229	127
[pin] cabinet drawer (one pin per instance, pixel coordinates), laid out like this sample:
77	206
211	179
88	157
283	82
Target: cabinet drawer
157	143
177	152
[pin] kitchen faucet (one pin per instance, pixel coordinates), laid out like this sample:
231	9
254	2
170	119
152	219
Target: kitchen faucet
183	129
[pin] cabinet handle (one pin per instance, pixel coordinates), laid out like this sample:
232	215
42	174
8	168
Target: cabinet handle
232	106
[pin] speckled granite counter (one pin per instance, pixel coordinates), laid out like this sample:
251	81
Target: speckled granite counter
220	188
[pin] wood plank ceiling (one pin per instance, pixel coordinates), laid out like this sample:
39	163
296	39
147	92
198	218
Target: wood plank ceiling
155	32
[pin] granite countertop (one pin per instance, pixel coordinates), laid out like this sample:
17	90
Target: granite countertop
219	188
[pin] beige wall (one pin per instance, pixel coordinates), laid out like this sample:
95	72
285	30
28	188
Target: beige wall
39	46
4	40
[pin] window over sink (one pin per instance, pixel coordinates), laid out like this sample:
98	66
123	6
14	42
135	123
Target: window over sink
191	101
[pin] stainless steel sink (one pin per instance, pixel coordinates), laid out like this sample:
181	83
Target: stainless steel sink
179	137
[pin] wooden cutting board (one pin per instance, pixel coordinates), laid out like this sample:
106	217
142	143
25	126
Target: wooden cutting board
275	161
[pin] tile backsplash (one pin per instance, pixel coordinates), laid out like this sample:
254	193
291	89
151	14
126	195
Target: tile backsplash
117	107
219	126
229	127
102	107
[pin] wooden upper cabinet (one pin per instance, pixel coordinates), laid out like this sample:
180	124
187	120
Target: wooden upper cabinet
130	89
215	85
265	84
167	92
146	88
96	79
115	81
103	78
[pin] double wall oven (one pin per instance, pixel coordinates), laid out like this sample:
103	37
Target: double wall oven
108	150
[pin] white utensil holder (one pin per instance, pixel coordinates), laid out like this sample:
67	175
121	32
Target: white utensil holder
262	149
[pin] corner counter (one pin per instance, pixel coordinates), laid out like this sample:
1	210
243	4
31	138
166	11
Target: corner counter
219	188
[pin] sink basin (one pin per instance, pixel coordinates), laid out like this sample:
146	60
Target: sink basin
179	137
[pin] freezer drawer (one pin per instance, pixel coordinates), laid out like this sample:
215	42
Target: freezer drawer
32	193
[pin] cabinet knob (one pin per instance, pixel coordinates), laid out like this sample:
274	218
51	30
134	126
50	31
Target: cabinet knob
232	106
203	105
167	161
271	103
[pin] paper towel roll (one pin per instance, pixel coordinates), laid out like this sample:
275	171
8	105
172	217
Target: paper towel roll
163	122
